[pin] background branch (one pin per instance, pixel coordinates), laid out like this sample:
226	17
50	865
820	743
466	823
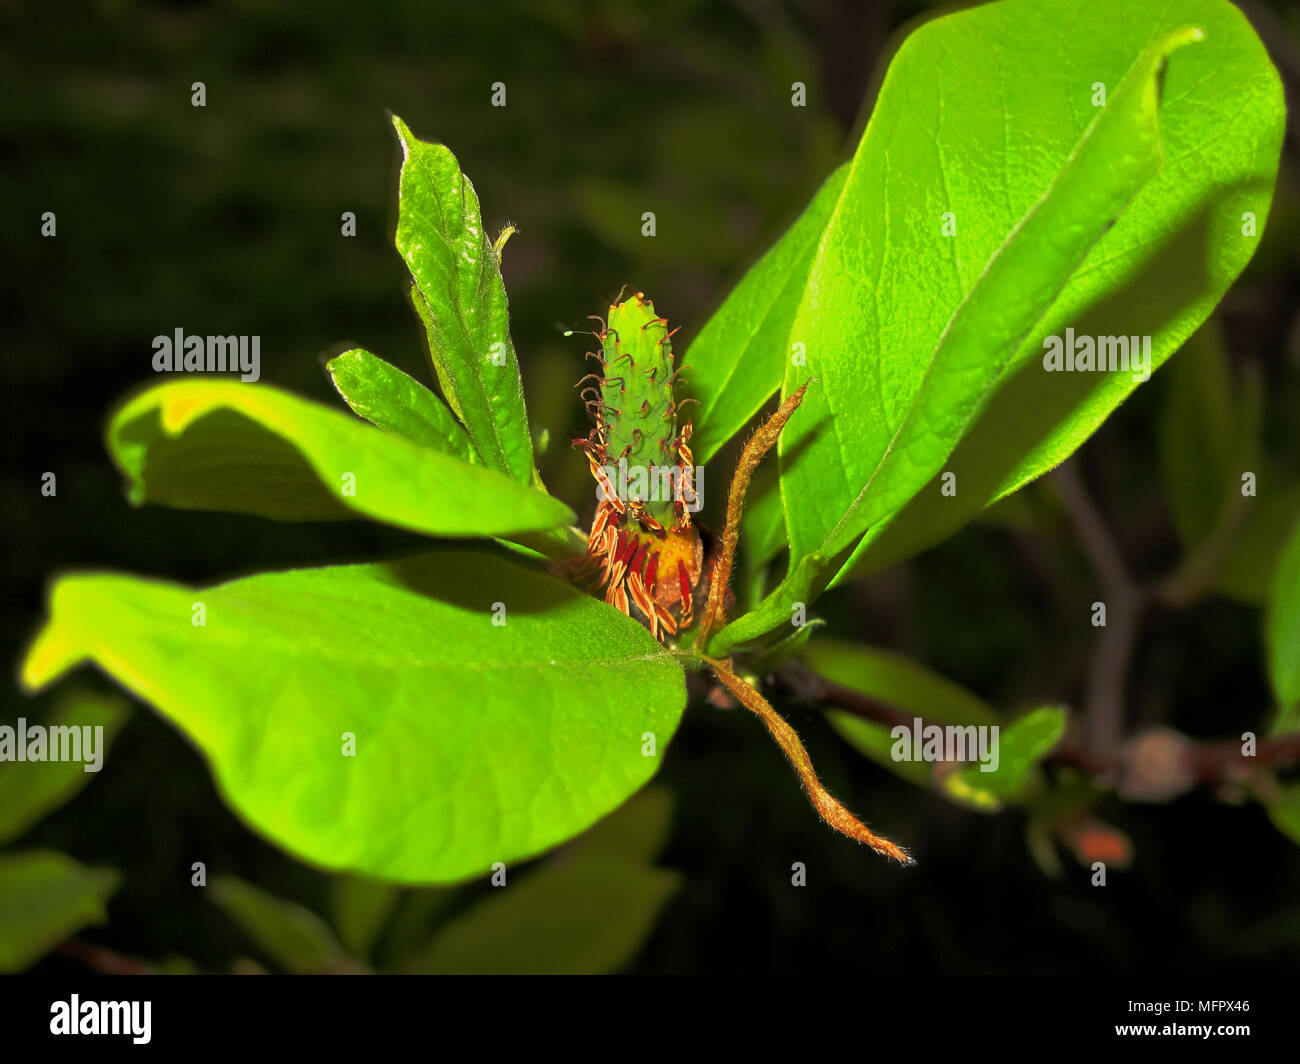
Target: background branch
1104	696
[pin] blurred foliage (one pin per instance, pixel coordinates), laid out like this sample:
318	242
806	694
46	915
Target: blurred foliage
46	896
582	911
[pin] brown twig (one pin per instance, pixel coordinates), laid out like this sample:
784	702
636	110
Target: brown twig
827	806
757	446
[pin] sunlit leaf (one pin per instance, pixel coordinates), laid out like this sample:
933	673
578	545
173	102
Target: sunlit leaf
498	710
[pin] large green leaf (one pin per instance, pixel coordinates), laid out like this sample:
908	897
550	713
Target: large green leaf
739	358
911	330
1122	220
29	790
1282	624
762	532
475	741
389	399
461	300
44	898
222	445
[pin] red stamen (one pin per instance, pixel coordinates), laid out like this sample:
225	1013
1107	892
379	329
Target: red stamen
638	556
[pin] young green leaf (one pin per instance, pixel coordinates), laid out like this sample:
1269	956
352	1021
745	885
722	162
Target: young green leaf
389	399
461	299
222	445
1020	746
44	898
500	711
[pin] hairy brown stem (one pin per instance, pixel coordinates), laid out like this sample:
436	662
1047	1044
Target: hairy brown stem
757	446
827	806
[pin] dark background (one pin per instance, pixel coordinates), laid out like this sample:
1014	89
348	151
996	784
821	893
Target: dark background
225	219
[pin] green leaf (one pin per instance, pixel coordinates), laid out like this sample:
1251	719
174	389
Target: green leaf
788	646
739	358
493	741
29	790
764	520
461	300
587	915
929	347
361	907
1282	624
1021	745
776	611
899	682
222	445
903	377
44	898
389	399
294	937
